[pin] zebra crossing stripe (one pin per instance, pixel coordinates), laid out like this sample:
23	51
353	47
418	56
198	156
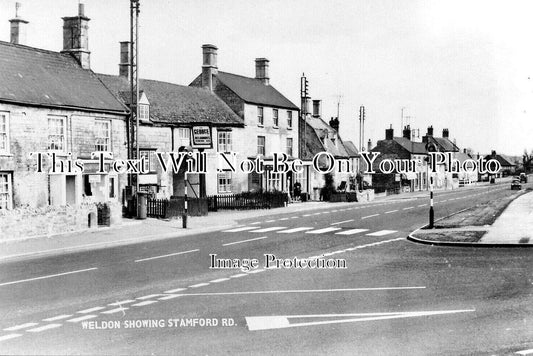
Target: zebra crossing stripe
241	229
323	231
274	228
351	232
381	233
296	229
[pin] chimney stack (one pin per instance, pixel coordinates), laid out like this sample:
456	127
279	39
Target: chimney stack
389	133
18	27
407	132
369	145
445	133
261	70
209	66
334	123
125	60
76	38
317	112
430	131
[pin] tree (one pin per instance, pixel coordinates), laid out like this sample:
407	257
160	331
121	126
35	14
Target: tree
527	161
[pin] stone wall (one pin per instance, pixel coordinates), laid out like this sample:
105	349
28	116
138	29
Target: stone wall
28	222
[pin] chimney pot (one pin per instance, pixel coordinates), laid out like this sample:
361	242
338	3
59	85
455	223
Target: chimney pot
334	123
125	59
17	27
407	132
445	133
209	66
389	134
317	112
430	131
76	38
369	145
261	70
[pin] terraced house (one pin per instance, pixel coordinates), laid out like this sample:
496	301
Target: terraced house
51	102
270	123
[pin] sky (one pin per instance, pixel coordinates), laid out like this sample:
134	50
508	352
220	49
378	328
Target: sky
463	65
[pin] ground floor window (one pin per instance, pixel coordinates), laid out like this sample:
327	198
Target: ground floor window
224	182
6	192
274	181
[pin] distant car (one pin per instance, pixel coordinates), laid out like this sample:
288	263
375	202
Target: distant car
523	178
515	184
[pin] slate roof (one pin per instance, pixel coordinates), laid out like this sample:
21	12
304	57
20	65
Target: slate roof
176	104
252	90
445	145
351	149
33	76
319	129
412	147
503	161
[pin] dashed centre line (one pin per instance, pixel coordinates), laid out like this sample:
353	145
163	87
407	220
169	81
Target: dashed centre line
170	254
21	326
391	211
43	328
243	241
268	229
323	231
296	229
342	222
369	216
49	276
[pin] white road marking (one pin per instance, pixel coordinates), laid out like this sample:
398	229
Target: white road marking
169	255
409	207
257	271
323	231
374	244
90	310
174	290
255	223
296	229
81	318
48	276
269	221
59	317
351	232
369	216
391	211
21	326
113	311
218	280
170	296
268	229
284	219
282	321
525	352
150	296
334	211
146	302
316	213
326	212
294	217
303	291
421	205
381	233
241	229
307	215
238	275
43	328
199	285
342	222
122	302
242	241
9	336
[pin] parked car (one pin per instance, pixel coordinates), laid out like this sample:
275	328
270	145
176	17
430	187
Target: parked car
523	178
515	184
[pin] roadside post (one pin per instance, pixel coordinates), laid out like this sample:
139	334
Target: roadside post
184	217
430	147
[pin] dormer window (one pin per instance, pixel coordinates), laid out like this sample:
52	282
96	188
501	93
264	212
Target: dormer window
144	108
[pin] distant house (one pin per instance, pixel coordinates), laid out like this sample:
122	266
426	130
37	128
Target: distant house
317	136
400	148
270	122
507	167
443	178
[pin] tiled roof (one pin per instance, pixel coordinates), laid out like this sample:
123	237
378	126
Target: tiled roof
412	147
252	90
34	76
445	145
330	140
176	104
351	149
503	161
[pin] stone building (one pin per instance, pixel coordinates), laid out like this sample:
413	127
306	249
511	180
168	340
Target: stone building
270	123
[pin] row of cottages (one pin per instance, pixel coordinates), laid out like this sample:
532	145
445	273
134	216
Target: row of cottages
417	179
319	137
50	105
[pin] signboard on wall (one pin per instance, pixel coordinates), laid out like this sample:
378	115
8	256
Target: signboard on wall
201	137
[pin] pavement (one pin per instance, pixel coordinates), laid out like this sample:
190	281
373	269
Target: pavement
514	227
133	231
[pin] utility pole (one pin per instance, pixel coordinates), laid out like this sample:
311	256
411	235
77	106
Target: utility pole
361	127
134	91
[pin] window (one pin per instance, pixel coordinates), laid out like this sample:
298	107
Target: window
224	182
56	133
224	141
289	119
4	132
275	117
274	180
5	191
260	117
144	112
289	146
103	136
261	145
150	160
184	137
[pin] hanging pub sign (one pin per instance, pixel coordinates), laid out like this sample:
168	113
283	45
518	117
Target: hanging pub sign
201	137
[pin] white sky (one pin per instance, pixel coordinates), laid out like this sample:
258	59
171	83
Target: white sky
464	65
